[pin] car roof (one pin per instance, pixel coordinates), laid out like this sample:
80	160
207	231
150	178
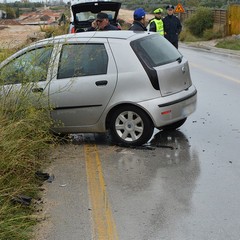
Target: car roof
84	37
115	34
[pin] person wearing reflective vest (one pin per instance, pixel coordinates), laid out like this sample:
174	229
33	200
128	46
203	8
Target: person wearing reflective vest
156	24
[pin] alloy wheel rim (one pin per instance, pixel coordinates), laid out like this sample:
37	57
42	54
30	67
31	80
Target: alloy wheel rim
129	126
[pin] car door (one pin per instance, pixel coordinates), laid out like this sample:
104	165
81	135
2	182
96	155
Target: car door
84	81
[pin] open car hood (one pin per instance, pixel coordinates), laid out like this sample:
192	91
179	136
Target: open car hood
85	13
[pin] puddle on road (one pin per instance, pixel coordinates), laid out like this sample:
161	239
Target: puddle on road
163	139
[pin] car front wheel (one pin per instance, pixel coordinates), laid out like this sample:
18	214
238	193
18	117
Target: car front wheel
130	126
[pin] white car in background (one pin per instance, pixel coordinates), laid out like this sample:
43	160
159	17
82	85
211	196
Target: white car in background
83	13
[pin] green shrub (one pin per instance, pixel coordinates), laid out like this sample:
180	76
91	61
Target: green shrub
210	34
186	36
4	53
52	31
200	21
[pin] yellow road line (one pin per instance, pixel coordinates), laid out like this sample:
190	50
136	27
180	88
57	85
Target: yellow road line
215	73
104	227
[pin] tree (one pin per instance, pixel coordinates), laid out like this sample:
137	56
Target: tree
192	3
10	12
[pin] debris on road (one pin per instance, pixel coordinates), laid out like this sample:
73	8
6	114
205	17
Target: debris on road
22	199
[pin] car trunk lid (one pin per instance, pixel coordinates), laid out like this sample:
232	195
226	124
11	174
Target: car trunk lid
173	77
85	13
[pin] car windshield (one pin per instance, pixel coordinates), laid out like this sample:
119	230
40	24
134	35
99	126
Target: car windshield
86	16
155	50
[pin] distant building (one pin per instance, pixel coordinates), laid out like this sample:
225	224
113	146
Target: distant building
3	14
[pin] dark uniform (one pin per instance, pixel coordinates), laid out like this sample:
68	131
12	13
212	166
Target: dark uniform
100	17
137	26
138	20
172	28
109	27
106	28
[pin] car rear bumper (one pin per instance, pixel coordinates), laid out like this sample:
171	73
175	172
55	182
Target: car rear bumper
167	110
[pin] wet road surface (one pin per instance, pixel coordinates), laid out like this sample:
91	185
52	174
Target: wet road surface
184	187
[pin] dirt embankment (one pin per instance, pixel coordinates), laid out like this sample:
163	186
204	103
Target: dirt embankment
127	15
14	34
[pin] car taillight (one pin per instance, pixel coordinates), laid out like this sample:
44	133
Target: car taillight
166	112
73	30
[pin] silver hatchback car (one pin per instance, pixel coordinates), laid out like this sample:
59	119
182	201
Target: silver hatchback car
123	81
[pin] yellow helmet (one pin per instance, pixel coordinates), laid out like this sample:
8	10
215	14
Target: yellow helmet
158	10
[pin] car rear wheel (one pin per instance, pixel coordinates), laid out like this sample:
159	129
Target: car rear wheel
174	126
130	126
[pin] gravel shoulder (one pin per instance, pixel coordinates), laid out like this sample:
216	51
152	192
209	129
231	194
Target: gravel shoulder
13	36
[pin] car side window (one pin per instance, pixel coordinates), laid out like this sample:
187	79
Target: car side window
31	66
78	60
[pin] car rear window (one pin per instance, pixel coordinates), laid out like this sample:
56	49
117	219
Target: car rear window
82	60
155	50
86	16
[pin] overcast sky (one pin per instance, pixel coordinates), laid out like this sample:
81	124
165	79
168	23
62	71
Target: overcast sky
11	1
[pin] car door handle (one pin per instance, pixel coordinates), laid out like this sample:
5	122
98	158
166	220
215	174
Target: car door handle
101	83
36	90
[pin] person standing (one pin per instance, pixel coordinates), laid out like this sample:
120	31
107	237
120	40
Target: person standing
102	23
172	26
139	20
156	24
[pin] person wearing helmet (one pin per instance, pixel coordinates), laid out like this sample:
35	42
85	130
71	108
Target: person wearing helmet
139	20
156	24
172	26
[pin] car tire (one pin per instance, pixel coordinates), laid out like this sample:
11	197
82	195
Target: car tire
173	126
60	137
130	126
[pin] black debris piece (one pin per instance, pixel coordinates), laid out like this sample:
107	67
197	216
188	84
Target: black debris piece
144	147
51	178
164	146
22	199
41	175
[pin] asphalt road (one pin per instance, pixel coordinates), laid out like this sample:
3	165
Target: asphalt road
185	186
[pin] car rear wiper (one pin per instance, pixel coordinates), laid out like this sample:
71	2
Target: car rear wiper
179	59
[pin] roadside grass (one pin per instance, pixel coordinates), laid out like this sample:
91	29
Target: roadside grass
209	34
186	36
52	31
4	53
233	44
25	143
